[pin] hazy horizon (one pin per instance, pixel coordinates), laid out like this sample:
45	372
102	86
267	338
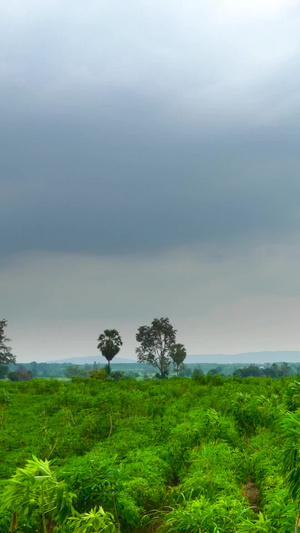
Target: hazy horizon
246	357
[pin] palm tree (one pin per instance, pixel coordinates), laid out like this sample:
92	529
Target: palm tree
109	345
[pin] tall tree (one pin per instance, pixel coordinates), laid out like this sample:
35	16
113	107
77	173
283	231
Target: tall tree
5	351
109	344
178	355
155	344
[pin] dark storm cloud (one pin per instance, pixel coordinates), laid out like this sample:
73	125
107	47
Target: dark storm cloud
107	153
132	186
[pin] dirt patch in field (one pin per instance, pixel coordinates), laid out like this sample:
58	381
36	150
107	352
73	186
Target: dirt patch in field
153	526
251	492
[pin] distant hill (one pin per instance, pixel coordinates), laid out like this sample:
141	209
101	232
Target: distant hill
247	357
90	359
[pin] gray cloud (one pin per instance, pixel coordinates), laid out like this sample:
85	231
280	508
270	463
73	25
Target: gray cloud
70	192
147	127
118	180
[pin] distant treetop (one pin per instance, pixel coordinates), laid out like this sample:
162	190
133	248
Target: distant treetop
6	355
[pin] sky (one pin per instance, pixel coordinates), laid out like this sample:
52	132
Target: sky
149	156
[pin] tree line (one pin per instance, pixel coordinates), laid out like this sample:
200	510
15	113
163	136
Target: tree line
157	347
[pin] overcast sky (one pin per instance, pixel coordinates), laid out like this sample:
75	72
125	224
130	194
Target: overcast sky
150	167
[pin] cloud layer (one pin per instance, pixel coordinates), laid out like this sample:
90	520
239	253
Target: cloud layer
133	132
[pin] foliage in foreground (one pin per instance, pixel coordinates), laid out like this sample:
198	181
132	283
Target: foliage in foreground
34	493
137	456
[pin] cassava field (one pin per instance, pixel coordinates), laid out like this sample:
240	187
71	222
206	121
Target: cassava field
198	455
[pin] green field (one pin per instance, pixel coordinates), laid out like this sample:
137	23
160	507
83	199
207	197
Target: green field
183	455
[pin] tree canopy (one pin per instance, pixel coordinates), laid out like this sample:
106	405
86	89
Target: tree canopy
155	344
109	344
21	374
6	355
178	355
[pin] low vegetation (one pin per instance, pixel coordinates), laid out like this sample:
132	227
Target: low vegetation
207	454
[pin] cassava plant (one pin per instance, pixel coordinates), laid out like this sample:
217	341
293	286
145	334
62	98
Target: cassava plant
35	492
291	459
96	521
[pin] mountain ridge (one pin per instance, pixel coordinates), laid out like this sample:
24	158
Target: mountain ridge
279	356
